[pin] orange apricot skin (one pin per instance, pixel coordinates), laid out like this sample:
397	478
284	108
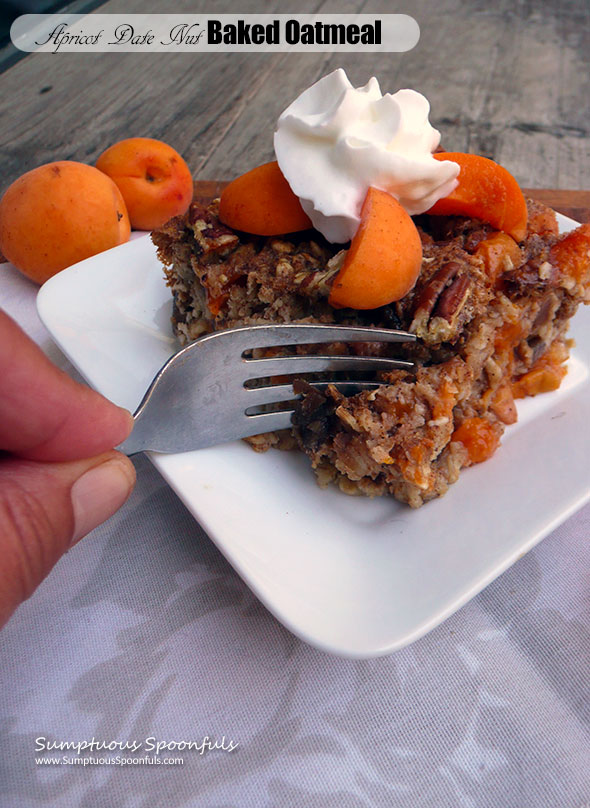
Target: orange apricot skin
58	214
155	181
261	202
384	259
486	191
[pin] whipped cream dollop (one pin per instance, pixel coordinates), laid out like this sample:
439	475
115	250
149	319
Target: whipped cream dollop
335	141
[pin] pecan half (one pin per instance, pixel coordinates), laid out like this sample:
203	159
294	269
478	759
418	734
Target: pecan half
440	303
433	289
453	298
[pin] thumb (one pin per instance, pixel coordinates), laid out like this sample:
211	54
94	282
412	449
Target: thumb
45	508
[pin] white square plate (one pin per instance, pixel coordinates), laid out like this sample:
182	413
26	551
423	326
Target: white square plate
352	576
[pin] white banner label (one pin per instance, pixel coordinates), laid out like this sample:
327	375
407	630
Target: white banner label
61	33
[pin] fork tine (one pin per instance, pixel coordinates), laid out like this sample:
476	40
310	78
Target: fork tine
261	336
275	393
266	422
197	399
294	365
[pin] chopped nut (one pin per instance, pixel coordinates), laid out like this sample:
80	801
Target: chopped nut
336	261
381	455
545	270
283	268
507	263
493	371
316	284
347	418
316	249
444	419
281	246
568	283
213	237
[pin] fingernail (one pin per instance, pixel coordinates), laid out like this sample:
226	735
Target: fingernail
98	493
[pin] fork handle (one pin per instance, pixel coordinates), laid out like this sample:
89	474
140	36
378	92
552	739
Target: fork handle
132	445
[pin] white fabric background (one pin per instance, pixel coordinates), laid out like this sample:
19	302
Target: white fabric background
143	629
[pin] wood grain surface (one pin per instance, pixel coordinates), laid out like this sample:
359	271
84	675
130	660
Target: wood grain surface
509	80
575	204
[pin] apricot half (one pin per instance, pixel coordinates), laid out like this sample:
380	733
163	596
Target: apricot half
486	191
153	178
384	259
59	214
261	202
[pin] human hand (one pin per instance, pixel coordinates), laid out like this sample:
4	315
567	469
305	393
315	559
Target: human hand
59	476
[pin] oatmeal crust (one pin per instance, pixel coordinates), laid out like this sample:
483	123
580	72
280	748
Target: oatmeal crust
483	338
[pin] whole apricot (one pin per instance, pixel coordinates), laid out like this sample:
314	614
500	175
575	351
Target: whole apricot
59	214
154	180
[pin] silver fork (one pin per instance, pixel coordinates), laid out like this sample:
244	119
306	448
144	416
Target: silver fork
200	398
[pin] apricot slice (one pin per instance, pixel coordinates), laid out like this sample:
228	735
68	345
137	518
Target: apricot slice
59	214
384	259
153	178
485	191
261	202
